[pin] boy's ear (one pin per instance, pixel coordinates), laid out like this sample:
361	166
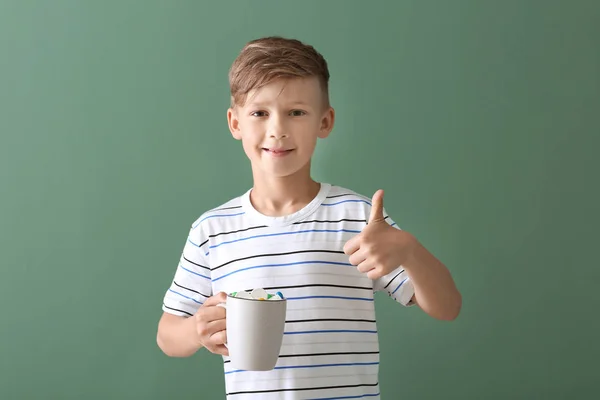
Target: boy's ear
327	122
234	124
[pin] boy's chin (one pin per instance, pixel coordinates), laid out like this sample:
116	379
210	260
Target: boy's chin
280	172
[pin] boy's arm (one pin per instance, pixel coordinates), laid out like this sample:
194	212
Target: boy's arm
183	318
435	290
421	278
176	335
180	336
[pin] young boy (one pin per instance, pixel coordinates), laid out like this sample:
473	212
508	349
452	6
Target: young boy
326	248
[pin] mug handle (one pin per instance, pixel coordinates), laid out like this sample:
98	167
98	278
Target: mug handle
224	305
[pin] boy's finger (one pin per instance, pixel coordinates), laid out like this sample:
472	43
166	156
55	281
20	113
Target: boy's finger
221	350
220	297
357	257
365	266
216	326
377	207
219	338
210	314
374	274
352	245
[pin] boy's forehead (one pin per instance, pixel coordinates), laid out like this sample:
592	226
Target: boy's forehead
295	90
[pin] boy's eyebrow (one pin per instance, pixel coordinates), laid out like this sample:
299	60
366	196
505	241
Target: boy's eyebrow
291	103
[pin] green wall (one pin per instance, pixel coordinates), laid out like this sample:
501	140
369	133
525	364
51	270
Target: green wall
478	118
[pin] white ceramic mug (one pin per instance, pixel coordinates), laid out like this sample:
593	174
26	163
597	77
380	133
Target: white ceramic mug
254	332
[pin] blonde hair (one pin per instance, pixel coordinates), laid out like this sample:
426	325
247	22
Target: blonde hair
264	60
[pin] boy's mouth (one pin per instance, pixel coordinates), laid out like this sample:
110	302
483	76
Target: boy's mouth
277	152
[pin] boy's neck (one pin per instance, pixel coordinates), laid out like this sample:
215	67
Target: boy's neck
277	197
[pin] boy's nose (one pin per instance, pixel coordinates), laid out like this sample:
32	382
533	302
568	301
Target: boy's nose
278	134
277	130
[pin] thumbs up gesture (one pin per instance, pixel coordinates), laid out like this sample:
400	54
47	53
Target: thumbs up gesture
379	248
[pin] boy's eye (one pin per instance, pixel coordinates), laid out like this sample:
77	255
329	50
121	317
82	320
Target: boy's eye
294	113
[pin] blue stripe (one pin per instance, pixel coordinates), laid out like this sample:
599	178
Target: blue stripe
187	297
216	216
311	366
285	233
394	224
282	265
348	397
329	331
395	290
190	240
195	273
347	201
197	245
329	297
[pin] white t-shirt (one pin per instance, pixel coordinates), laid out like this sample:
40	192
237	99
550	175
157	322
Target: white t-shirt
330	347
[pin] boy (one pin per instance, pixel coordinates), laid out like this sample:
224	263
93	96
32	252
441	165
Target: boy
326	248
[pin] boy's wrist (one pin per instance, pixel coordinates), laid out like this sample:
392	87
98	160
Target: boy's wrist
409	245
191	333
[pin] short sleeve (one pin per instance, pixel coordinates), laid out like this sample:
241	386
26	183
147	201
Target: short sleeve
397	283
191	285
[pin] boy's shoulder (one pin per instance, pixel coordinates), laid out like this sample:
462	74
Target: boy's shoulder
343	193
224	213
230	208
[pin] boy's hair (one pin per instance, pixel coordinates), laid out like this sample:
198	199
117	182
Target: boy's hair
264	60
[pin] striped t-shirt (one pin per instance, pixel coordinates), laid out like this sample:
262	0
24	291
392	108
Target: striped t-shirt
330	347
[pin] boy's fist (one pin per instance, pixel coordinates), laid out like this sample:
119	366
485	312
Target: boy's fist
210	324
379	248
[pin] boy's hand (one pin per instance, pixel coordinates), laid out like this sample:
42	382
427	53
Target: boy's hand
379	248
210	324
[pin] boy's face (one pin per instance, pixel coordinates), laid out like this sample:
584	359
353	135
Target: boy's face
279	125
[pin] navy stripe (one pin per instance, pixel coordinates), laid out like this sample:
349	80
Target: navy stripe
278	254
325	221
195	273
322	221
311	366
330	331
196	264
216	216
395	290
360	196
348	397
225	208
187	297
305	389
316	221
321	354
221	215
285	233
341	195
176	309
295	321
347	201
239	230
329	297
281	265
316	285
191	290
392	280
198	245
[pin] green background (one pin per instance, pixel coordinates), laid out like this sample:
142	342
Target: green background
480	119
